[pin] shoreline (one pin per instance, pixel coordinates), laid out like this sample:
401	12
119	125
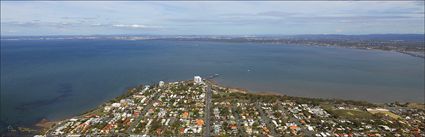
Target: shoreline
280	92
47	125
275	93
232	89
325	45
367	49
290	44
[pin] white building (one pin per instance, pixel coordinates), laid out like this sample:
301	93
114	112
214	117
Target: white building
161	83
107	109
197	79
116	105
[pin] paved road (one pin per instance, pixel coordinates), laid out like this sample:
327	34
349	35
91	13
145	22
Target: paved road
266	120
207	111
241	131
144	111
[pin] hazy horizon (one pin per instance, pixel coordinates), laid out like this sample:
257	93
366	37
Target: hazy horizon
213	35
43	18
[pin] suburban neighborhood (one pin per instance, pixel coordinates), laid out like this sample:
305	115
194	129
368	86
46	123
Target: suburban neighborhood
199	107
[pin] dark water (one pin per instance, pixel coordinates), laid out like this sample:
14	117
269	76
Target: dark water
58	79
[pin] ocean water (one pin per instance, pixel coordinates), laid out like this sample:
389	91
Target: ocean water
57	79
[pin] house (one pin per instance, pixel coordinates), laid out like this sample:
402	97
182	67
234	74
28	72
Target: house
107	108
185	115
199	122
116	105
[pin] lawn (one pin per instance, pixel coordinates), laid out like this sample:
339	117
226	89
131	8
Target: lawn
390	114
352	114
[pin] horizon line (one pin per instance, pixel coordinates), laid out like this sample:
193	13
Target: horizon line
211	34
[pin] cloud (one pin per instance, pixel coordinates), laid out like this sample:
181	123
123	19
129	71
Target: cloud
81	18
98	25
212	17
64	24
274	17
38	23
131	26
419	3
135	26
277	14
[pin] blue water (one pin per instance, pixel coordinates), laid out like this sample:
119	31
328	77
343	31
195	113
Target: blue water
56	79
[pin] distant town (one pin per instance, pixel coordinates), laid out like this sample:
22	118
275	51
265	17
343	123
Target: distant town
410	44
199	107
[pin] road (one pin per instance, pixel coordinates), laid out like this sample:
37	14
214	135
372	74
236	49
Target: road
266	120
144	111
238	121
207	111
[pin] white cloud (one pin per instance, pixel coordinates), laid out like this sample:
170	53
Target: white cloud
135	26
215	17
130	26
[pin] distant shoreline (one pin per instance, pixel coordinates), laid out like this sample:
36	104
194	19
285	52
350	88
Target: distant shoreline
238	69
298	42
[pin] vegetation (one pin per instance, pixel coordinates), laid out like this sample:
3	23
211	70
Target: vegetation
352	114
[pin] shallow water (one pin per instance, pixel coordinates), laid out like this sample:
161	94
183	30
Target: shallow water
55	79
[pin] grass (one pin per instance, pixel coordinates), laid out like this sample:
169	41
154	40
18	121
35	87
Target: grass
416	106
390	114
352	114
347	113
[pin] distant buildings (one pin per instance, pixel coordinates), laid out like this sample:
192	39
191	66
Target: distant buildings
197	79
161	83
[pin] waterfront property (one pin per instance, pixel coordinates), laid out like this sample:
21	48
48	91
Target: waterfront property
56	79
186	108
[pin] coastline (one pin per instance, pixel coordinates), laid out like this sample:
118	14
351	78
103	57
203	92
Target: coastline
411	54
275	93
369	49
47	125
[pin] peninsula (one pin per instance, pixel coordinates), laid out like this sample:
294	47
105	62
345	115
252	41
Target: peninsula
201	108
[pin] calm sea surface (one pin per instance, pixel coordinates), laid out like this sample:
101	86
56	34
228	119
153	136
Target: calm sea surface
57	79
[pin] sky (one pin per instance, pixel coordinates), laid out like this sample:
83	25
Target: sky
38	18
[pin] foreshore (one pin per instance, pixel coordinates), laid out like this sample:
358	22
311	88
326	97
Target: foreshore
331	105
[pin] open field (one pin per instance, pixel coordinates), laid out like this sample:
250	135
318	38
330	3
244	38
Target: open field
390	114
349	114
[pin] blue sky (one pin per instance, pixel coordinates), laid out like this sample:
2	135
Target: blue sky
210	18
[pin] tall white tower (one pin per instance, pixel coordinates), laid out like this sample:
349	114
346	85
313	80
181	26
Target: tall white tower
197	79
161	83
